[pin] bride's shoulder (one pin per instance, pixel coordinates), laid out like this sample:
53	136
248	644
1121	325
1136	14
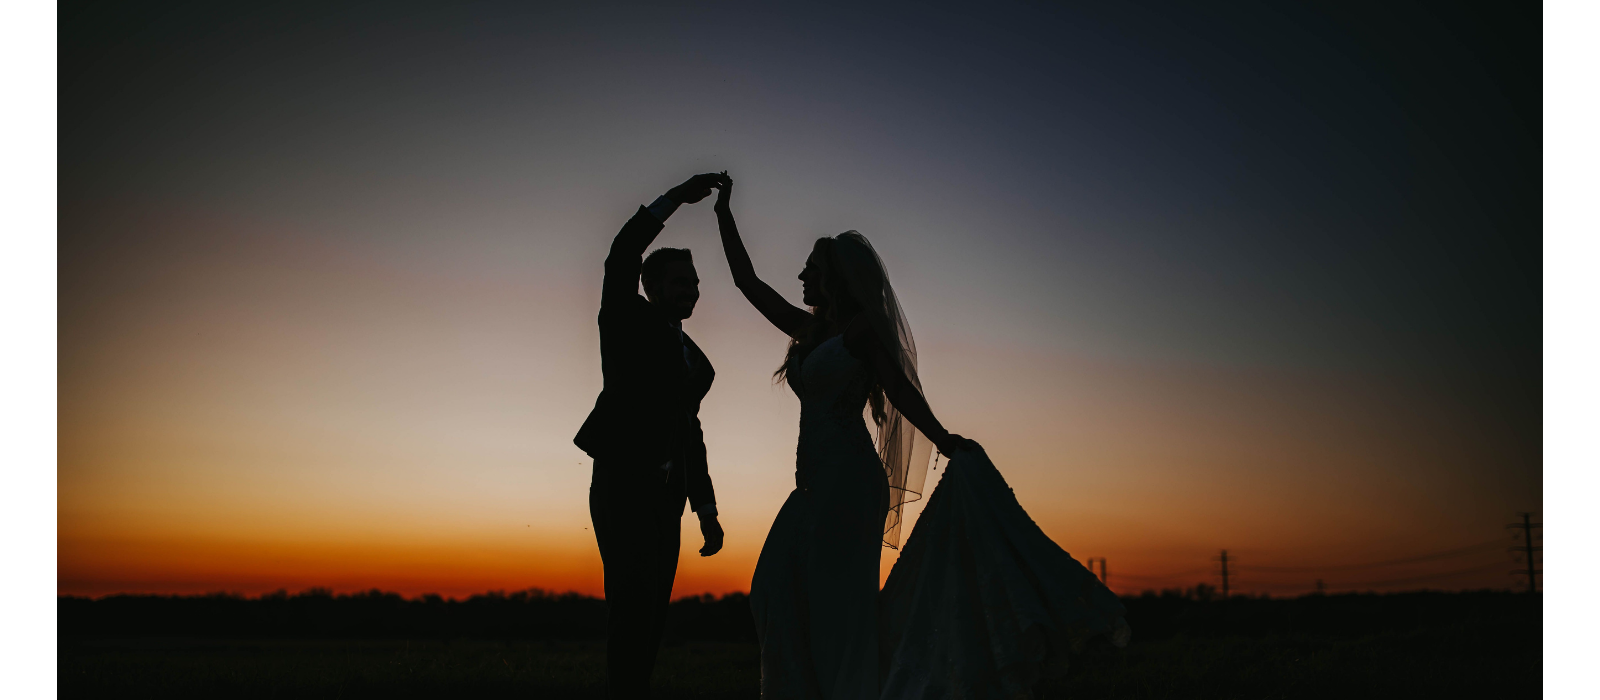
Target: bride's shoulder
859	337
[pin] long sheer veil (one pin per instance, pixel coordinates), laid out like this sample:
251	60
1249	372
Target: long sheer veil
904	450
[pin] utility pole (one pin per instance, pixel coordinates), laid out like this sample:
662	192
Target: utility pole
1224	574
1527	548
1102	561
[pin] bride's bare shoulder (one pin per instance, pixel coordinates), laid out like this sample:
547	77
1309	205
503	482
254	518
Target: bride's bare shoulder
859	337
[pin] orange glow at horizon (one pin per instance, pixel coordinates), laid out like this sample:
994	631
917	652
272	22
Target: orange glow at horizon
265	436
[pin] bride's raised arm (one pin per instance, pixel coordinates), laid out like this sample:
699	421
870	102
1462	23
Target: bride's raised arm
863	342
787	317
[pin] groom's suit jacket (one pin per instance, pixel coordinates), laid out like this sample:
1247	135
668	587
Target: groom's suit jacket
648	412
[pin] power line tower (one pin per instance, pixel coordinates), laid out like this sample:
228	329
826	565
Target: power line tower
1224	574
1526	526
1102	561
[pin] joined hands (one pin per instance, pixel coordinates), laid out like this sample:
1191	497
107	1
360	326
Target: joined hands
695	188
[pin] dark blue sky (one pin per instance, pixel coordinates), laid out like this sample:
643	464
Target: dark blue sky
1367	179
1345	191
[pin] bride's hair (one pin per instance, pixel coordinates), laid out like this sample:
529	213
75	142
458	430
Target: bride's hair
839	305
855	283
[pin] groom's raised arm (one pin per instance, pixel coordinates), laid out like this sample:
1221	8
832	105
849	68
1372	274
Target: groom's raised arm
626	258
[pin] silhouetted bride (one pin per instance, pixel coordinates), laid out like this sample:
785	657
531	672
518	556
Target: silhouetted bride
981	603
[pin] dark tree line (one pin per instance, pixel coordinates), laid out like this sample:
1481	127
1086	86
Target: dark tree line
1160	616
536	614
317	613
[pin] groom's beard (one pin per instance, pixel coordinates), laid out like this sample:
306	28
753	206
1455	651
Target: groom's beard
675	310
672	315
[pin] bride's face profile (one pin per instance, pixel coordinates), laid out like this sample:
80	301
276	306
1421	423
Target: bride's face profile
811	286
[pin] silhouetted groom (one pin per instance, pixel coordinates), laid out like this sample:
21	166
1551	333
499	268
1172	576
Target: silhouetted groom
644	435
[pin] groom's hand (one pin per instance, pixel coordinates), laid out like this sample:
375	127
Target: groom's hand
712	530
694	189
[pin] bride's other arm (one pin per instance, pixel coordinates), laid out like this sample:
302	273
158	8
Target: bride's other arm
787	317
863	342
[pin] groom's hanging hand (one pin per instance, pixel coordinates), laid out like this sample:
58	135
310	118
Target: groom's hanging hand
712	530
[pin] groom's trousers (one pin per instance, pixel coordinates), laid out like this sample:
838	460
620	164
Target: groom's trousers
637	511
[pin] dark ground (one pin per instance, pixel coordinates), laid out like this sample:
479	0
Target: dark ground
1415	645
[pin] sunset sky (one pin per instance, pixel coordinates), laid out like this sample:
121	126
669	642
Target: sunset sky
1264	280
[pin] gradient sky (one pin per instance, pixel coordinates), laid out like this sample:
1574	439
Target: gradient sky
1263	279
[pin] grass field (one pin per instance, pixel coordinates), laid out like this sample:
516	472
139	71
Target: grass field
1344	647
388	668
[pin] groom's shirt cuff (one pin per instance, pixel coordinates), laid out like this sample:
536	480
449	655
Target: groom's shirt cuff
662	208
708	510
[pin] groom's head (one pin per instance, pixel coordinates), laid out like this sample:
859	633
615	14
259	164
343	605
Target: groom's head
670	282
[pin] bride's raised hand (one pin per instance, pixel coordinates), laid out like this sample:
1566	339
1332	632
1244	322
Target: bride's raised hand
724	191
786	317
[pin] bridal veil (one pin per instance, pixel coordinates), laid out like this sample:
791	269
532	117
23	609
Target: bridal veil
904	450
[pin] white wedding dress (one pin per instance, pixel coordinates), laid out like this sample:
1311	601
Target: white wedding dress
981	603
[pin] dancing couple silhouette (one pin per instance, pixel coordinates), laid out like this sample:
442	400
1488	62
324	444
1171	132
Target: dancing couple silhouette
980	604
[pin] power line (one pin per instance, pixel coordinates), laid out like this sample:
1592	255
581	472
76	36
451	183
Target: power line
1372	565
1229	567
1462	572
1335	585
1161	577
